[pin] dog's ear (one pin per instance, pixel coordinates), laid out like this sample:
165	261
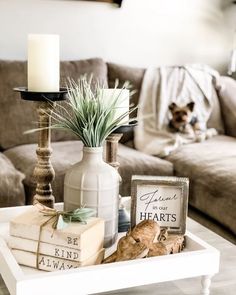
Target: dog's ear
172	106
190	106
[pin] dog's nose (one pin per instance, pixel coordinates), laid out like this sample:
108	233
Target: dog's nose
182	119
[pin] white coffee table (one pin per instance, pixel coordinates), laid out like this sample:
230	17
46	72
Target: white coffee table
126	274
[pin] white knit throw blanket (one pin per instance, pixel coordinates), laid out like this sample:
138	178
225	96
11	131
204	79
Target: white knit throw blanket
161	87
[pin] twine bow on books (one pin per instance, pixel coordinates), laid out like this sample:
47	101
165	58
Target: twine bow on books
63	218
60	220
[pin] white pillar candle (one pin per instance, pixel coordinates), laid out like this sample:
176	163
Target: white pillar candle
43	63
122	102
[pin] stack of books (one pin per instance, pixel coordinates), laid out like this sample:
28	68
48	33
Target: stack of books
79	244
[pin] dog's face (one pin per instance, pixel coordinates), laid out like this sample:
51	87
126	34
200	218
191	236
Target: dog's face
181	115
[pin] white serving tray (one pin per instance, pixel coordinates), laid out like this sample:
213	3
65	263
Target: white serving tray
197	259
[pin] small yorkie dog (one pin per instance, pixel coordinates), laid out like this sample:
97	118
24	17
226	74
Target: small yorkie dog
184	121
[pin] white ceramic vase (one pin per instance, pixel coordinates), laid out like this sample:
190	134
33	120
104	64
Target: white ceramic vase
94	184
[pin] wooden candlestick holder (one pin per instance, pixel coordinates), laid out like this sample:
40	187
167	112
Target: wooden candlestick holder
111	158
112	143
112	148
43	172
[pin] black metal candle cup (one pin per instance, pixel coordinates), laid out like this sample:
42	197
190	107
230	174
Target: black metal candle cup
42	96
43	172
127	128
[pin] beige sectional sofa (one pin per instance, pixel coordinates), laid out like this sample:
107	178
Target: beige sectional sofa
210	165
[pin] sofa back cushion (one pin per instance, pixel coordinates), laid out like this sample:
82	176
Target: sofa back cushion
135	77
123	74
17	115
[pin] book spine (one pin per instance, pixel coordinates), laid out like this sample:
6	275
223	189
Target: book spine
47	249
48	263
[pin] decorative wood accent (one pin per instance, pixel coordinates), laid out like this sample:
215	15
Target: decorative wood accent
173	243
44	172
146	239
111	149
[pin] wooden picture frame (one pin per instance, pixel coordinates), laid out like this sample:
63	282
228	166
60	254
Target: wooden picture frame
161	198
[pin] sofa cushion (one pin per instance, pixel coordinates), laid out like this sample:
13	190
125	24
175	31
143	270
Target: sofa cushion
227	97
211	167
74	69
68	153
123	74
12	190
135	77
133	162
18	115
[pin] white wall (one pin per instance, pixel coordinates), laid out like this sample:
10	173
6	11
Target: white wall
141	33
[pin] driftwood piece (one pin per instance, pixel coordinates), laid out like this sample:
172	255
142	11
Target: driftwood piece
129	249
157	249
174	244
136	243
146	240
147	232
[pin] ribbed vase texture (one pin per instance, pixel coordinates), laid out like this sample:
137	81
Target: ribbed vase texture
94	184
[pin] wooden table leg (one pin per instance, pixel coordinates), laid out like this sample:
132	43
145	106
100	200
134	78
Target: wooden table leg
206	283
44	172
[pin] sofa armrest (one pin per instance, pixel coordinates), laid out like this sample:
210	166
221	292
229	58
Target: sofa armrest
227	98
12	191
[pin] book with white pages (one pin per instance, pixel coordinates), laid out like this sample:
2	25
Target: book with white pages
17	243
87	237
48	263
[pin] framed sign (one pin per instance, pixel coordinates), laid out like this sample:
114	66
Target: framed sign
163	199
